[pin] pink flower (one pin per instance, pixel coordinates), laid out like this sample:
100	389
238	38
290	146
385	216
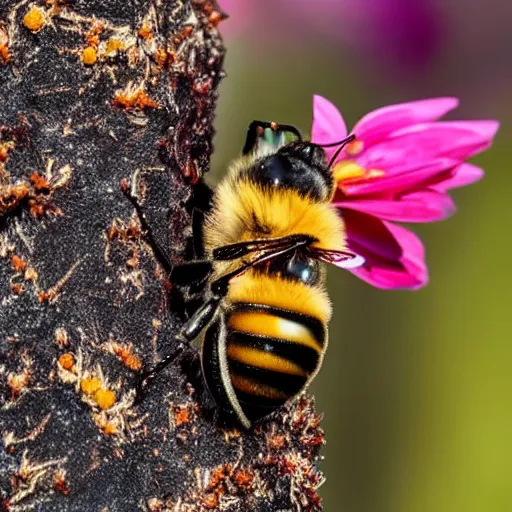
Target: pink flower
399	168
407	34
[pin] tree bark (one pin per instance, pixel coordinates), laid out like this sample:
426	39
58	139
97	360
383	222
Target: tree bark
93	92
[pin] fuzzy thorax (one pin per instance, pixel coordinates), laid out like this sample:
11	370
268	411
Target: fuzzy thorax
244	210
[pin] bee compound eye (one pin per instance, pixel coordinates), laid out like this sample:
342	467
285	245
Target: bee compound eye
306	152
304	270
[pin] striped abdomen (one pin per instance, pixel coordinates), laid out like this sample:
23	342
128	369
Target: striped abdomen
272	353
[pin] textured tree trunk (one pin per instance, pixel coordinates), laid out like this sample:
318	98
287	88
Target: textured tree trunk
93	92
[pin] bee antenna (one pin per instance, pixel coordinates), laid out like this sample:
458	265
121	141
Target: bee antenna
341	143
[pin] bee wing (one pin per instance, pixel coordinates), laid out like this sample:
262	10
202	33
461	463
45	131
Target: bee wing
269	143
266	245
343	259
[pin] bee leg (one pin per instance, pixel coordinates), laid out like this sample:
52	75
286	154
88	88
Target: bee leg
201	319
191	273
207	313
198	206
197	232
159	253
202	197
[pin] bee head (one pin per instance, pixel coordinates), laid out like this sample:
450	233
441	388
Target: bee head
300	166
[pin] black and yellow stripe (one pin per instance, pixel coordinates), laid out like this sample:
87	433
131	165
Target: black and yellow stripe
272	353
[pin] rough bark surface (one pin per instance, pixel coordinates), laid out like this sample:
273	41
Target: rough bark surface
93	92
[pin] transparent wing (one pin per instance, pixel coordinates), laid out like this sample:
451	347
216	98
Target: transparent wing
343	259
266	245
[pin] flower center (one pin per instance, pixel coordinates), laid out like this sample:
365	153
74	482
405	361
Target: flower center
348	172
354	148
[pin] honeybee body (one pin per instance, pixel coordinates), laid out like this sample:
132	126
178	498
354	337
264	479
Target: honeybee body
270	337
263	321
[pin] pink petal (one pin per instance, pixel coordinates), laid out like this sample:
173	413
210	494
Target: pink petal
328	124
452	139
463	175
417	145
422	206
395	182
485	127
395	257
383	121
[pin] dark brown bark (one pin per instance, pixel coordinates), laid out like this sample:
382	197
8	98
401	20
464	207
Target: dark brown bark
93	92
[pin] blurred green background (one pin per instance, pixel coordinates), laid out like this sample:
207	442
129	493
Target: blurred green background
416	386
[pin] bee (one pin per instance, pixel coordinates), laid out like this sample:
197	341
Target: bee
263	322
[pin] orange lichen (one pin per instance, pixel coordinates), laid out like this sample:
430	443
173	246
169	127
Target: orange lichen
215	18
93	36
276	442
56	5
145	31
127	356
12	195
67	361
18	382
110	429
134	98
89	56
17	263
4	150
181	415
161	57
40	183
48	296
122	231
316	439
223	481
5	55
34	19
105	398
210	501
17	289
243	479
164	57
110	424
45	296
186	32
304	478
133	262
61	485
114	45
218	475
35	194
90	385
